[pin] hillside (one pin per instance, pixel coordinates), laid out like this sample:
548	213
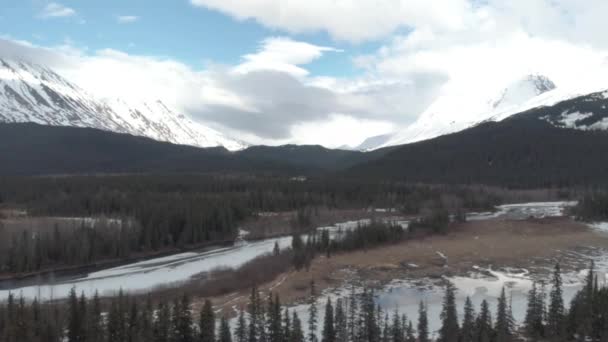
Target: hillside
560	145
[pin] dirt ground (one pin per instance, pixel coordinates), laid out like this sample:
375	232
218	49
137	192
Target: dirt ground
484	243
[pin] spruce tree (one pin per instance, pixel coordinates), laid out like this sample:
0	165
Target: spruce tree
182	321
287	329
329	334
95	321
162	324
75	318
254	316
410	333
449	331
297	334
484	330
340	322
225	334
397	333
312	314
240	332
555	316
467	333
352	316
503	324
423	323
207	323
275	328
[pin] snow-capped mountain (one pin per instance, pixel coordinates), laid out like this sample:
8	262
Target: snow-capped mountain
34	93
452	113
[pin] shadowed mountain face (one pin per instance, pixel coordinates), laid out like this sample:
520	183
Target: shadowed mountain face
560	145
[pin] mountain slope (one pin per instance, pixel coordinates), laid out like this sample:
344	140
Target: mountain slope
29	149
556	145
34	93
453	112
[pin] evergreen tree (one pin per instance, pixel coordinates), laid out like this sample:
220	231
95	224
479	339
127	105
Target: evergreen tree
225	334
340	322
253	333
275	328
409	333
449	331
182	321
503	324
133	329
423	323
329	333
312	314
484	330
467	333
76	328
555	315
207	323
95	324
162	324
287	326
352	316
240	332
398	331
297	334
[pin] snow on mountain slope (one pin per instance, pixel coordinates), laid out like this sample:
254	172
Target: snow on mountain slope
34	93
451	113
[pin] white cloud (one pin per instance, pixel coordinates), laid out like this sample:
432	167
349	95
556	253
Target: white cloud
127	19
346	20
56	10
284	55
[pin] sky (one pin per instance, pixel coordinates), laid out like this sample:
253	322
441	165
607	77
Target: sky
309	71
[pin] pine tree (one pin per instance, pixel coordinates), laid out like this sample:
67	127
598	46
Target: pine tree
503	324
556	314
225	335
253	333
484	330
449	331
162	324
397	332
312	314
423	324
182	321
297	334
95	321
207	323
287	326
329	334
409	333
75	318
467	333
240	332
133	323
352	316
340	322
275	328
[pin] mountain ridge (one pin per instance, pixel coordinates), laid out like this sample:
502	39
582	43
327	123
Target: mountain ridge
34	93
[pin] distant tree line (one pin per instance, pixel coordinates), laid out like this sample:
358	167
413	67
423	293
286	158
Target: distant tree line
167	212
353	318
592	207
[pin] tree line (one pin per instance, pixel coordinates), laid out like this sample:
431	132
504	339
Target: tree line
166	212
352	318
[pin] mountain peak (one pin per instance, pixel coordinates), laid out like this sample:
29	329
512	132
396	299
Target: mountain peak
35	93
523	90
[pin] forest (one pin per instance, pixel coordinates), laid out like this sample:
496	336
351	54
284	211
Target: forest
141	214
352	318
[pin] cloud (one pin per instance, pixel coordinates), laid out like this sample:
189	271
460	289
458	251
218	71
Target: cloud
127	19
284	55
56	10
346	20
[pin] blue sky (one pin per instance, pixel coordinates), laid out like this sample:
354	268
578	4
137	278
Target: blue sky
176	29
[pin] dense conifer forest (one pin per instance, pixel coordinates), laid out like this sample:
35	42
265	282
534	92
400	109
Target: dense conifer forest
138	214
353	318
